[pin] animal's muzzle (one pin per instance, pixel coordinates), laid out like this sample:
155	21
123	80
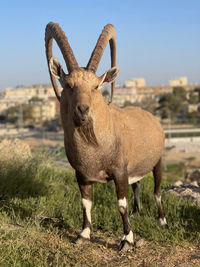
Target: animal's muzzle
82	110
81	114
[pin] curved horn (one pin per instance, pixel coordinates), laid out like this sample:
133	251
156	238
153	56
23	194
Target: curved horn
108	34
53	31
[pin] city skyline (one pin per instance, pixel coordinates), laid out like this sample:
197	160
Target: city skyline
157	41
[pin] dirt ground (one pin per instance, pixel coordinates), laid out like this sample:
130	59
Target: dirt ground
105	252
189	157
33	142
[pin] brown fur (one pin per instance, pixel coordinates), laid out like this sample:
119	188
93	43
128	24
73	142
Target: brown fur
104	142
86	132
128	137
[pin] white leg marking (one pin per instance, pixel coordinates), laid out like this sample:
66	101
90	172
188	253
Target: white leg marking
87	204
132	180
122	205
158	200
128	237
85	233
162	221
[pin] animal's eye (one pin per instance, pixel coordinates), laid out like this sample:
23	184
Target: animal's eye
70	90
69	85
96	88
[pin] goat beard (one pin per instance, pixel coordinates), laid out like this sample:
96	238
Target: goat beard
86	131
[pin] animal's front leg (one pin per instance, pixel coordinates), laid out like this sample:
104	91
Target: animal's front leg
121	183
86	194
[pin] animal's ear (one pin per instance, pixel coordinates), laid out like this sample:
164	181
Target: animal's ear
109	76
56	68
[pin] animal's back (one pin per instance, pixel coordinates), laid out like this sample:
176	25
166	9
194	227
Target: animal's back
141	138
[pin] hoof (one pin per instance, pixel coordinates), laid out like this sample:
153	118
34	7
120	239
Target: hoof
125	246
81	240
163	222
133	213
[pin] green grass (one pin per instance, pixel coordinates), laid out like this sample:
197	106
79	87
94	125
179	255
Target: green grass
174	172
39	203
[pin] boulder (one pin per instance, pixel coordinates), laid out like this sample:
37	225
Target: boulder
193	176
14	150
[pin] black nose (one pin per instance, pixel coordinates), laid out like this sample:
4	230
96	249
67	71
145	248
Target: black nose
83	109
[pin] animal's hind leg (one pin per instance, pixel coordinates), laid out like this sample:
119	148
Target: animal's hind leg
157	173
136	204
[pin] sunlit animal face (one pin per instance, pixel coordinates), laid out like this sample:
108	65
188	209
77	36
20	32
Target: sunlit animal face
80	88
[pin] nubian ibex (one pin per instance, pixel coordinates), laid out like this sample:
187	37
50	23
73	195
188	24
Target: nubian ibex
102	141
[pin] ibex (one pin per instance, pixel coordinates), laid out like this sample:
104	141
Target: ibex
102	141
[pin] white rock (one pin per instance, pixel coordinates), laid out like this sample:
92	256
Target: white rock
195	183
178	183
140	243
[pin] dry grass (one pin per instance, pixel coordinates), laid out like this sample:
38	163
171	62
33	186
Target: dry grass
33	246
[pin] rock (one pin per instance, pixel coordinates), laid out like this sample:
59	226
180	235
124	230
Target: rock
178	183
193	175
14	150
189	191
195	184
140	243
172	191
186	192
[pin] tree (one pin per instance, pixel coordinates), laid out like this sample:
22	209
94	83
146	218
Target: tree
174	102
106	93
192	118
128	103
194	98
35	99
27	112
179	92
149	104
12	113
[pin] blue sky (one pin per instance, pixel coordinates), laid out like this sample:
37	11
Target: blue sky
157	40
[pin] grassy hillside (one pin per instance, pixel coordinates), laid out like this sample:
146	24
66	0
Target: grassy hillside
41	215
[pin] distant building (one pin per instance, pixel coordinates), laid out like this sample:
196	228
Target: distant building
24	94
133	94
182	81
42	111
122	94
138	83
46	109
57	103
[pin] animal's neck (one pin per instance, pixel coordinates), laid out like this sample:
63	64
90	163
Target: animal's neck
100	125
101	117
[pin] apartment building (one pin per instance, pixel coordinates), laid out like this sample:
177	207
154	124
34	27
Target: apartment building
46	109
138	83
123	94
182	81
42	111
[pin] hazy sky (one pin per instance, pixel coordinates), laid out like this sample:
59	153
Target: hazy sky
157	40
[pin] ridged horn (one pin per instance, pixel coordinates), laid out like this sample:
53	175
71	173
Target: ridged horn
53	31
108	35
